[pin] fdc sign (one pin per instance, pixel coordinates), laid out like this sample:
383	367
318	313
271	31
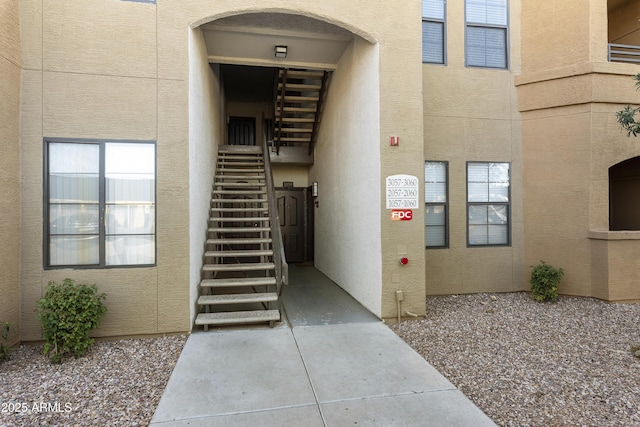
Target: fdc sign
402	215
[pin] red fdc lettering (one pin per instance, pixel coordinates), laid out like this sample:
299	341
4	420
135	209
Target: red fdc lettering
402	215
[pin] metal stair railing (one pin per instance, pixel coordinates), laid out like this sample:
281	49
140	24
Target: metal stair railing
279	258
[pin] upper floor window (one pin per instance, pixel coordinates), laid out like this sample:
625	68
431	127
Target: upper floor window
433	32
488	204
99	203
487	33
436	205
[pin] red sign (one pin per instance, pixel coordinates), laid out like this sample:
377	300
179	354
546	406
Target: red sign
401	215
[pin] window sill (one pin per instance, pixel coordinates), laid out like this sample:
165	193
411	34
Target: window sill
614	235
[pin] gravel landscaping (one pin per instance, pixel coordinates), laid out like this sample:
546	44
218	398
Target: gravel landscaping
117	383
535	364
523	363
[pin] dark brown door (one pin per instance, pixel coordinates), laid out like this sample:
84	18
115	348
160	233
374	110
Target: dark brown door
291	208
242	131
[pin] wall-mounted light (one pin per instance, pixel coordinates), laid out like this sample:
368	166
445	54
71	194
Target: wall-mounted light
314	189
281	51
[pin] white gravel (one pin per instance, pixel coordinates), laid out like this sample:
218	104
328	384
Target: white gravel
525	363
116	383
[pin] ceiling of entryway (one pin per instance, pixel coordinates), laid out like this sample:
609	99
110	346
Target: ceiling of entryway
250	39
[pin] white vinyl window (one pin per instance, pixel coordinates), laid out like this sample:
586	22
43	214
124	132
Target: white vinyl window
487	33
99	203
436	222
433	31
488	204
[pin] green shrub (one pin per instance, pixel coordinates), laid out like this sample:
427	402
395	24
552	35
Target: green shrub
68	313
544	282
5	351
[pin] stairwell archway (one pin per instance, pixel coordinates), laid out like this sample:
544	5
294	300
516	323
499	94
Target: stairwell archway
346	154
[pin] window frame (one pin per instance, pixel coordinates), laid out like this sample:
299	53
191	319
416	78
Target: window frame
473	24
442	22
445	205
488	203
102	236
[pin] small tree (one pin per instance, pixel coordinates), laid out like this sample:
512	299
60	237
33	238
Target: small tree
627	116
68	313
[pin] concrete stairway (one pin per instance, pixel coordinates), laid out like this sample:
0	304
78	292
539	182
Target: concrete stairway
238	283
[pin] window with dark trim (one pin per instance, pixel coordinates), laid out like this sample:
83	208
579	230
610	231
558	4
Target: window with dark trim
488	204
433	31
99	203
486	43
436	221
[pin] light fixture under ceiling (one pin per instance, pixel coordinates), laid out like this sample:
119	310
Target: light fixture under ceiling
281	51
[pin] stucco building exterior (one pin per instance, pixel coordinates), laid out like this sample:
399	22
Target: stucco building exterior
503	110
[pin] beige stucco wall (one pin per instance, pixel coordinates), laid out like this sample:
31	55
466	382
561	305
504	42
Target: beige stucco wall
121	70
563	34
299	175
471	114
109	87
10	67
347	237
570	139
206	133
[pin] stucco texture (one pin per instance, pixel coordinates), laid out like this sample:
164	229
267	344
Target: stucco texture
10	63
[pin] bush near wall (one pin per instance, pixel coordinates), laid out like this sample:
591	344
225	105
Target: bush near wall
544	282
68	313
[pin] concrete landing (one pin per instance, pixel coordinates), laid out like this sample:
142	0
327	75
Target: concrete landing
323	368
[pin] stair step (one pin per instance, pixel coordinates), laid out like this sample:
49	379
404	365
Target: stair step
257	156
297	110
287	139
294	130
244	266
239	241
238	317
238	229
220	171
239	254
236	163
239	184
241	177
293	99
302	74
238	298
296	120
244	219
235	149
240	192
230	210
237	201
299	87
238	282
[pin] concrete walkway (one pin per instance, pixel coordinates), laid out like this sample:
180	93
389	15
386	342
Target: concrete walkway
331	363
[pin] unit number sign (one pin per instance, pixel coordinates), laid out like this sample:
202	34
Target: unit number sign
402	192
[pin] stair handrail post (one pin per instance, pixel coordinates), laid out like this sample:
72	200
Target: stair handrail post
279	258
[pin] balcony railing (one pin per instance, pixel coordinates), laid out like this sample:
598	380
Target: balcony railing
624	53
